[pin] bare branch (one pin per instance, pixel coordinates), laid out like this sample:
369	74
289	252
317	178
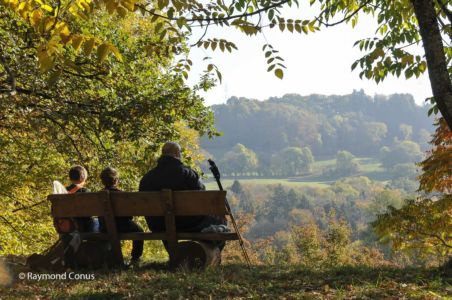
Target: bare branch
204	34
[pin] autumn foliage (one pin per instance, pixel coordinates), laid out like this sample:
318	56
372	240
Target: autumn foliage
437	168
424	225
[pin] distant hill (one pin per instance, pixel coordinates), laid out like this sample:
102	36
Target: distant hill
357	123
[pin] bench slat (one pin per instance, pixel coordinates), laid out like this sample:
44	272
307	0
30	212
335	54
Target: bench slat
181	236
192	203
161	236
186	203
77	205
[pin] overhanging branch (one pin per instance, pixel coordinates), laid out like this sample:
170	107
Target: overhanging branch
226	18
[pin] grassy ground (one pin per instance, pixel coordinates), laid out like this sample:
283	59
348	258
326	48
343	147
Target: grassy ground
237	282
368	167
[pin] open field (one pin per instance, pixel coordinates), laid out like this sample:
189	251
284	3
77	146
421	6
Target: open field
368	167
290	182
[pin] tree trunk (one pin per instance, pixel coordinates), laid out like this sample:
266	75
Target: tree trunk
436	58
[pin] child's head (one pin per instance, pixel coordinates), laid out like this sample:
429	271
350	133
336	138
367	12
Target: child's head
78	175
109	177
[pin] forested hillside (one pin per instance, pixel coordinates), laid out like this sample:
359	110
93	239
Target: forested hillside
358	123
300	135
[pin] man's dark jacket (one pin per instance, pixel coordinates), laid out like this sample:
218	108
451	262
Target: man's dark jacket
171	174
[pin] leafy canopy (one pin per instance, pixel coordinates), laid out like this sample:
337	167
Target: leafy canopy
84	112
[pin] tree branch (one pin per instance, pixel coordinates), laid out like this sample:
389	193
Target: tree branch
274	5
74	144
204	34
345	18
88	76
445	10
28	207
14	228
11	77
437	237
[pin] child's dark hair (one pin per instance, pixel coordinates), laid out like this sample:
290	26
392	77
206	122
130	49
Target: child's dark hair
109	177
78	173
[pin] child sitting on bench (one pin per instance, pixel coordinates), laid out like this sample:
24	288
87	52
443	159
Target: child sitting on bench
110	180
78	176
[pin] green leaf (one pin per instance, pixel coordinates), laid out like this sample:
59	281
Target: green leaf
298	27
409	73
220	77
279	73
53	79
271	14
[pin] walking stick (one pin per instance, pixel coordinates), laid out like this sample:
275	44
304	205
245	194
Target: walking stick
216	173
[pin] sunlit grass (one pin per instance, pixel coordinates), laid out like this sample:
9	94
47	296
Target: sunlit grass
237	282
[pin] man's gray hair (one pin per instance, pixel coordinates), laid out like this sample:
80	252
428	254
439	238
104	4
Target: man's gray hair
172	149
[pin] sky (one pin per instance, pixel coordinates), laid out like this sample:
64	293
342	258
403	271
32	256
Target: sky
318	63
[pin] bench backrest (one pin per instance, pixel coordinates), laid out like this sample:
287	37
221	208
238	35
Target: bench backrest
181	203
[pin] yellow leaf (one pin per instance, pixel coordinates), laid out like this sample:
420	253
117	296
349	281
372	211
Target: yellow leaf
23	9
116	52
77	42
88	47
45	61
121	11
35	18
13	4
111	6
102	52
64	32
47	7
48	23
129	5
86	6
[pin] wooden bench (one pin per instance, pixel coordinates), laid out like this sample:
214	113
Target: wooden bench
166	203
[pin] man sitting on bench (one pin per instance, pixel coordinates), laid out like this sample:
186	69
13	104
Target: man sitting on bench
171	173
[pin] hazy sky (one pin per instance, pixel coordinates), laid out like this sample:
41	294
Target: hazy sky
316	63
